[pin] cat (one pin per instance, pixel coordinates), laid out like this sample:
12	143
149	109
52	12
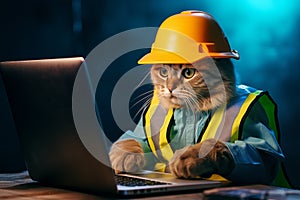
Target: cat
200	87
186	85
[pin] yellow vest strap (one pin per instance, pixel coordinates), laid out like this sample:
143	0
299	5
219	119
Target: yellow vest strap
214	124
164	147
246	105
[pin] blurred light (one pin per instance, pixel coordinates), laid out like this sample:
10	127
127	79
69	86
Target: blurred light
262	4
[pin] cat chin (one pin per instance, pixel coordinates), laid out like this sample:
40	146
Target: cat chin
176	106
170	104
204	106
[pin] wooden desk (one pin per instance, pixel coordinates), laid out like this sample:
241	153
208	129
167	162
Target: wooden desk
20	186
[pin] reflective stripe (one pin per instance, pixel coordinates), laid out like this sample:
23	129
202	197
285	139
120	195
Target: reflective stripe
245	106
213	130
148	116
270	109
214	124
281	179
164	147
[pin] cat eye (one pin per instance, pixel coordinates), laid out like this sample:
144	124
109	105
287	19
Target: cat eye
163	72
188	72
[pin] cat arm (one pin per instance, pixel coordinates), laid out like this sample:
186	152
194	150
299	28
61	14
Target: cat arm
202	159
131	153
252	160
257	153
256	156
127	156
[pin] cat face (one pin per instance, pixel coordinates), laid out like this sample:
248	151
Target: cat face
202	86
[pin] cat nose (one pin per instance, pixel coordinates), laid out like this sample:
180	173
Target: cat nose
170	88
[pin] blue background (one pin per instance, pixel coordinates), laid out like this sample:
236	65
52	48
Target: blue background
265	32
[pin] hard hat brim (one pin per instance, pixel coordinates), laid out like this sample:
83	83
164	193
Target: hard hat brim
164	57
161	58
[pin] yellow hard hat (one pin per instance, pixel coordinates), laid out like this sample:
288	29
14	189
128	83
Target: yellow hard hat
187	37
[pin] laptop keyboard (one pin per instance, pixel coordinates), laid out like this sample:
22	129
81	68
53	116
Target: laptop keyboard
130	181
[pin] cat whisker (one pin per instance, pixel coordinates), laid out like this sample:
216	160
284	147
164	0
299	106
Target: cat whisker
188	93
144	99
193	103
190	98
145	104
141	97
143	79
189	104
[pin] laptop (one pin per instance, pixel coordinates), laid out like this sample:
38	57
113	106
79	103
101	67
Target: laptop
40	96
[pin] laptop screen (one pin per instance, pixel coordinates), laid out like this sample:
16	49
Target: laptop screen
40	96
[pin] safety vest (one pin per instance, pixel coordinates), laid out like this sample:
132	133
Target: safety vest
226	124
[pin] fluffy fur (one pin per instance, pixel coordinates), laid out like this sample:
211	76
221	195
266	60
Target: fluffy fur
203	86
212	84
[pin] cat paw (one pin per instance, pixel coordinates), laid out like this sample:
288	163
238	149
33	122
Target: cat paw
186	164
202	160
127	156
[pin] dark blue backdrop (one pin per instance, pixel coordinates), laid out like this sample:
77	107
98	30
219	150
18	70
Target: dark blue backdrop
265	32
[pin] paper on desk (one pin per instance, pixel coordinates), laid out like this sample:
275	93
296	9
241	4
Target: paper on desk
252	192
